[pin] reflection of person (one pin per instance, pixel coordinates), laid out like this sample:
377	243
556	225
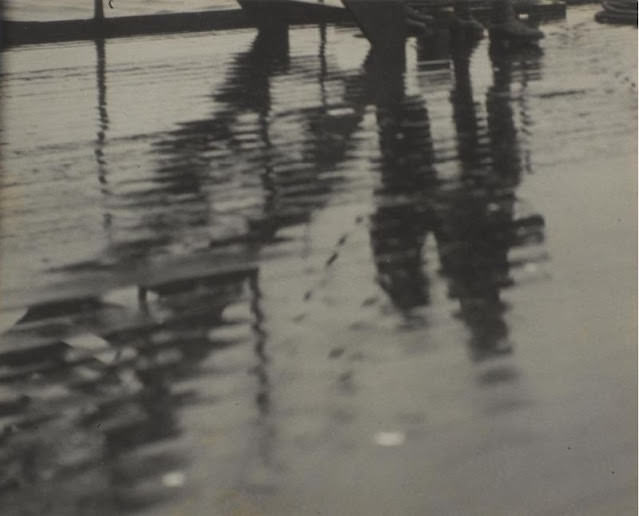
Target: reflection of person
473	219
478	224
318	136
400	223
472	237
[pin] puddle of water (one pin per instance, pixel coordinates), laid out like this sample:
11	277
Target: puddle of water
233	258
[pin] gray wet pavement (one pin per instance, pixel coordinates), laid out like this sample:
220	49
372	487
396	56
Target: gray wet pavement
250	274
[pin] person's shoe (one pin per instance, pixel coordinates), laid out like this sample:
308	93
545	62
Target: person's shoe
515	30
414	14
418	24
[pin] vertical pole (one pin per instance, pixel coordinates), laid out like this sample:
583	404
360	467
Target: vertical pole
98	9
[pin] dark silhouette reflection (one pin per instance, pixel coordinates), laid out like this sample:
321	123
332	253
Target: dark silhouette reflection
203	162
276	167
473	217
479	224
402	220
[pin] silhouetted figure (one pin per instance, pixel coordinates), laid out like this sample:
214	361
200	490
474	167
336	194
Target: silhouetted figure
98	9
402	219
214	149
477	225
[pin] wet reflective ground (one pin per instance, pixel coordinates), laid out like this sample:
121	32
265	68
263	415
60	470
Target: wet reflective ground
264	274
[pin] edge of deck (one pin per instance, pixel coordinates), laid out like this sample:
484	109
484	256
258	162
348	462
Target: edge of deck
13	32
30	32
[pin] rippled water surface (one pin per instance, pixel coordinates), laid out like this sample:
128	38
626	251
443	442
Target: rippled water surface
280	274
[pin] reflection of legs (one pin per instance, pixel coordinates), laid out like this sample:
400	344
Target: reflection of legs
401	221
397	238
470	235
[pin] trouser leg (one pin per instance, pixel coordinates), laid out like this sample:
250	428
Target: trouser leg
506	26
464	23
502	11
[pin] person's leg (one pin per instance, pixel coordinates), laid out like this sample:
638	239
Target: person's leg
506	25
417	22
464	22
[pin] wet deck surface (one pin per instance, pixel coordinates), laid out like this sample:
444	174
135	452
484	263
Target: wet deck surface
278	284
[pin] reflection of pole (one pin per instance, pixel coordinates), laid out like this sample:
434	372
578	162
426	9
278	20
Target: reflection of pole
266	428
263	396
98	10
276	40
103	124
323	66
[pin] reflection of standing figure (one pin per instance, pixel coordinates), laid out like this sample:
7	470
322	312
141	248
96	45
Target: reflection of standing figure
477	219
181	206
402	219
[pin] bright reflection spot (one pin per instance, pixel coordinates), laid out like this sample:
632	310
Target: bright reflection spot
88	341
173	479
389	438
341	111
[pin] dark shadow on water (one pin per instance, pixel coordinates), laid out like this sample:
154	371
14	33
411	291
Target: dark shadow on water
403	218
233	153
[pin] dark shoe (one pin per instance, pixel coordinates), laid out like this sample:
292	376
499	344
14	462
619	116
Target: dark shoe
415	15
418	24
618	11
515	30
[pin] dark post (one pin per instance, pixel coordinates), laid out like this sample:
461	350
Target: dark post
98	9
